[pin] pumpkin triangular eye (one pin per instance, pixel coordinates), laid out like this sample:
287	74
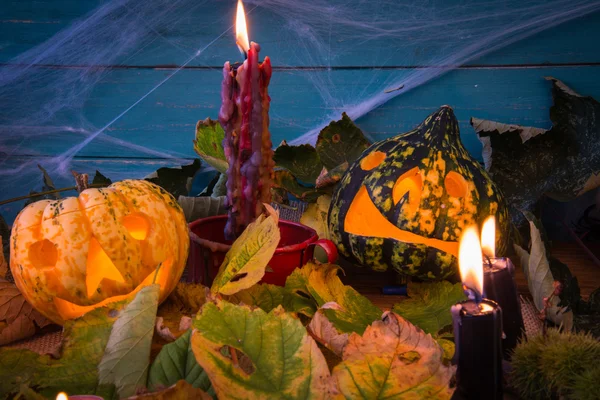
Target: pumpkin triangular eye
409	182
137	225
99	266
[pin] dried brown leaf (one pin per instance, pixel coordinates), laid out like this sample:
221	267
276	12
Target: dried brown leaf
163	331
325	332
3	263
21	319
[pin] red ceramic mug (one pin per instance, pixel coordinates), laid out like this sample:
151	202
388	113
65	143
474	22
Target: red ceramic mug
295	249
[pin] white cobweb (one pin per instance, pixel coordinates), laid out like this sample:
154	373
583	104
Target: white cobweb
45	90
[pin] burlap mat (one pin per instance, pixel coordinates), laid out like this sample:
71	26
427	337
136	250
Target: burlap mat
49	343
42	343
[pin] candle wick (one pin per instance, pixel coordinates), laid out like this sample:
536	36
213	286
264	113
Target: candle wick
242	50
488	259
472	294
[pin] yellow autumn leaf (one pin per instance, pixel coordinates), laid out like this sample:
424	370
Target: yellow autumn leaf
246	261
393	359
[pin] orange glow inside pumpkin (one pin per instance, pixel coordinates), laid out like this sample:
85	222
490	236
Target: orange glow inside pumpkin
409	182
137	226
99	266
364	219
372	160
68	310
43	254
456	185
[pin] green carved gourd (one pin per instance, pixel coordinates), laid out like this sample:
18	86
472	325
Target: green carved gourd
405	202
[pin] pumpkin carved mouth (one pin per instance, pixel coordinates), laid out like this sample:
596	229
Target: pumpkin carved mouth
364	219
68	310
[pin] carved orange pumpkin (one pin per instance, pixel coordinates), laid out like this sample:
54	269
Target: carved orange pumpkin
75	254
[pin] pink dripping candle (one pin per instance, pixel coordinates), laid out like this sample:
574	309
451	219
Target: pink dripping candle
244	115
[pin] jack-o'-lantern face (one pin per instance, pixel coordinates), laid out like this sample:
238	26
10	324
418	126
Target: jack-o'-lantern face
73	255
405	202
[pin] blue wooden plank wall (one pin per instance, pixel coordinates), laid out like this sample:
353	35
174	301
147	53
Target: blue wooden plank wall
506	85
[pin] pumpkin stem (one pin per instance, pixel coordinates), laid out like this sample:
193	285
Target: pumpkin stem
81	180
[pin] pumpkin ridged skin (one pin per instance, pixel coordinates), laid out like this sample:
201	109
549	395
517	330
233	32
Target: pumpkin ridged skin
71	223
436	149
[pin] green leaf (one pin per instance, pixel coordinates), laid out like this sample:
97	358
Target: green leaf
428	305
182	390
176	181
46	187
340	142
176	361
392	360
84	341
48	183
209	144
301	161
276	357
355	311
268	297
127	356
100	179
286	181
315	216
244	264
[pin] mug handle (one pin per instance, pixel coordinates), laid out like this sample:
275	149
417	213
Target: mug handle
329	247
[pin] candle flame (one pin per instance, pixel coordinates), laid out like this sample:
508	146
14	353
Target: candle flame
469	260
241	31
488	237
62	396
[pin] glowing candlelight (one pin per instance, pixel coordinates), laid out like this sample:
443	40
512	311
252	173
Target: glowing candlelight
62	396
244	116
499	286
488	237
477	328
241	30
469	261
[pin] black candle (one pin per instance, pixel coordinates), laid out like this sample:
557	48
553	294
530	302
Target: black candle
499	286
477	328
478	353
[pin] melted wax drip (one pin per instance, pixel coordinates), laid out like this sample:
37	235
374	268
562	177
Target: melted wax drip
244	116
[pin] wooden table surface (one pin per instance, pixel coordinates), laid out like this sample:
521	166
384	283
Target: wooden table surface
370	283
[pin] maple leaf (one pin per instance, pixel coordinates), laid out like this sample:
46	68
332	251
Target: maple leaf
562	162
